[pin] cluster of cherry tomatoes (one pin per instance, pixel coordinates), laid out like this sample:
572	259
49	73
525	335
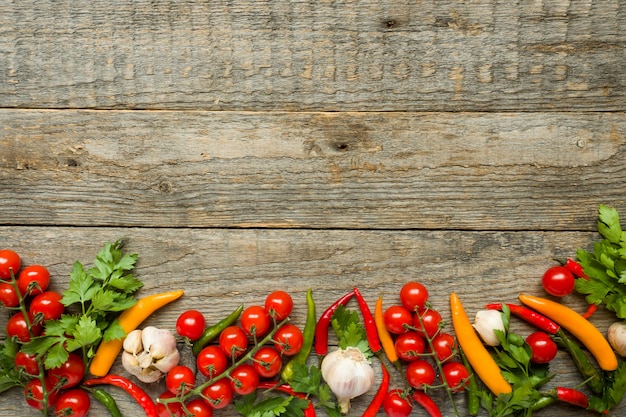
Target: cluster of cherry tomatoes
424	350
40	305
233	342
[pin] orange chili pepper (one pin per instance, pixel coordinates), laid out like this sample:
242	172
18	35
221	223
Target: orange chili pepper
383	334
130	319
477	354
578	326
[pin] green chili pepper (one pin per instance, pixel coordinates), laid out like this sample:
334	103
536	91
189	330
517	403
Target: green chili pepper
591	375
308	336
473	398
106	400
212	332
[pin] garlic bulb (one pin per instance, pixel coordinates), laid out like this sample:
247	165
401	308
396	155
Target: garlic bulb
485	323
149	353
617	337
348	374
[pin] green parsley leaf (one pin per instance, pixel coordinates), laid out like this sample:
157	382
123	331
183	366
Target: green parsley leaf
349	330
273	406
608	224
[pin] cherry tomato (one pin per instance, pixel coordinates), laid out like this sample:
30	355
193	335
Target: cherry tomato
398	319
427	322
444	345
219	394
543	348
34	393
33	280
180	380
212	361
456	375
9	260
409	346
8	295
279	305
18	327
70	373
396	404
26	362
289	339
267	362
255	321
244	379
558	281
199	408
233	341
171	409
74	402
47	305
190	324
413	296
420	373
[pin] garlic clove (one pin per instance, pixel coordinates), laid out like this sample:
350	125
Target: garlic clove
485	322
166	363
132	342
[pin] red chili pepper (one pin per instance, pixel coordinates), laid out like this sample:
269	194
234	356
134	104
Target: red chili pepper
538	320
321	330
370	323
572	396
286	389
591	308
427	403
138	394
378	399
575	268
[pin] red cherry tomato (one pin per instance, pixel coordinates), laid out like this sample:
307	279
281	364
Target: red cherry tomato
396	404
279	305
74	402
171	409
9	262
33	280
18	327
456	375
180	380
398	319
409	346
190	324
8	295
427	322
244	379
199	408
70	373
47	305
267	362
420	373
413	296
255	321
219	394
289	339
444	345
212	361
34	393
233	341
26	362
543	348
558	281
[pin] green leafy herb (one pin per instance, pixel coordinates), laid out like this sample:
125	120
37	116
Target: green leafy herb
613	392
349	330
9	376
308	380
273	406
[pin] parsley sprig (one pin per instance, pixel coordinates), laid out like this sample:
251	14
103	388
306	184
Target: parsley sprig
349	330
271	406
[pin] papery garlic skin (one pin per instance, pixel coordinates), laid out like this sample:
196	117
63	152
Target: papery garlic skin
150	353
348	373
485	322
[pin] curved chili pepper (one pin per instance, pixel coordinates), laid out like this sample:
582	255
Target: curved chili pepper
591	309
321	330
135	391
575	268
106	400
528	315
590	374
378	399
572	396
129	320
477	354
286	389
473	397
212	332
581	328
370	324
427	403
383	334
307	341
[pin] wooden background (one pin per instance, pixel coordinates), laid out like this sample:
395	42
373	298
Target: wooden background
246	146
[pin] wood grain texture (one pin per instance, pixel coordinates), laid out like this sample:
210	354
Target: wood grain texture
542	171
220	268
314	55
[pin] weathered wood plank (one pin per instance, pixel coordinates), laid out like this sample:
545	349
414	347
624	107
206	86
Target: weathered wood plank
220	268
543	171
314	55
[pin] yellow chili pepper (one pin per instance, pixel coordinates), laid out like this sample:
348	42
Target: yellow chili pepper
476	353
130	319
383	334
578	326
